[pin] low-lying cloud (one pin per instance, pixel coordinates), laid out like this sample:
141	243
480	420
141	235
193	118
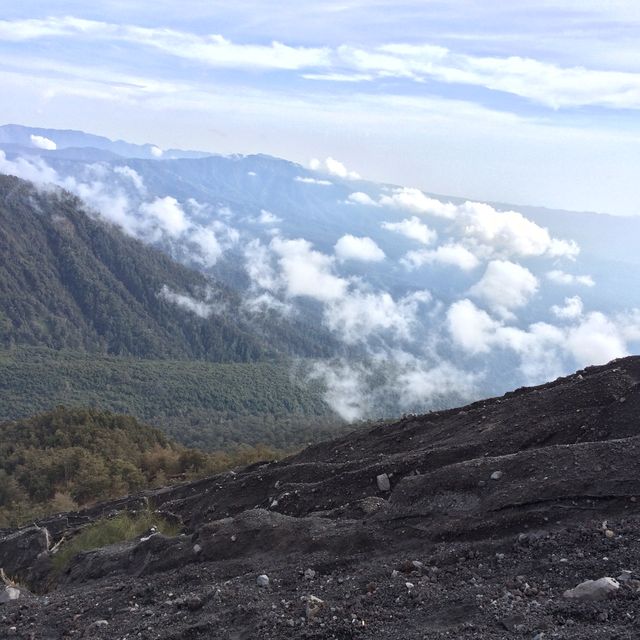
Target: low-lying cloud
43	143
413	229
364	249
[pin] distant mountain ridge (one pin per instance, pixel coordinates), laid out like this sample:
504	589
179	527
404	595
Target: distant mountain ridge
15	135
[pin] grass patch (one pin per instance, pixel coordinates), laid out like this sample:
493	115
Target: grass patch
125	526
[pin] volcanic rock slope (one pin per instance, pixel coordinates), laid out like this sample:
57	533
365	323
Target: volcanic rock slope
468	523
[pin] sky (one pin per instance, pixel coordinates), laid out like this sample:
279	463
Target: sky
527	101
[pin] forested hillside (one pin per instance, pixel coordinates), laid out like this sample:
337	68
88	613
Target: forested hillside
70	281
65	459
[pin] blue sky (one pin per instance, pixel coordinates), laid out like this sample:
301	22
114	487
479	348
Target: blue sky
530	102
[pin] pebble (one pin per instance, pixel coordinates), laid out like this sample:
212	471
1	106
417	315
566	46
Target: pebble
309	574
383	482
262	580
496	475
314	605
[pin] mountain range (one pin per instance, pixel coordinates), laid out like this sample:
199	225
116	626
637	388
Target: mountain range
405	300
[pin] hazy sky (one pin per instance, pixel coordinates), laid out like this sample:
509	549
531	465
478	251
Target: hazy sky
526	101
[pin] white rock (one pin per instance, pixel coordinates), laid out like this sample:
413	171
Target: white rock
309	574
262	580
593	590
197	549
8	594
496	475
383	482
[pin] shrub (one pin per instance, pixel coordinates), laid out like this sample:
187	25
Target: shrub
107	531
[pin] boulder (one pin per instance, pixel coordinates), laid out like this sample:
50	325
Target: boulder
593	590
19	551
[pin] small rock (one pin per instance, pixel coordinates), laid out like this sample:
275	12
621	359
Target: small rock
8	594
496	475
193	603
625	576
197	549
593	590
98	624
409	585
512	623
262	580
309	574
314	606
383	482
609	534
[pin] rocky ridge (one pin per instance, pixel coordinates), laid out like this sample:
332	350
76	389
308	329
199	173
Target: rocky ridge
477	522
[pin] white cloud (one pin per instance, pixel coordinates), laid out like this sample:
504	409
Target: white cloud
166	214
540	81
413	229
508	233
484	230
156	152
338	77
207	49
364	249
346	388
198	307
596	340
268	218
307	180
420	383
34	170
449	254
359	314
333	167
265	301
43	143
362	198
259	267
307	272
471	328
560	277
546	351
416	201
504	286
208	244
572	308
132	175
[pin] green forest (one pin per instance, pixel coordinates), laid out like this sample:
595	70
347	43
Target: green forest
201	404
